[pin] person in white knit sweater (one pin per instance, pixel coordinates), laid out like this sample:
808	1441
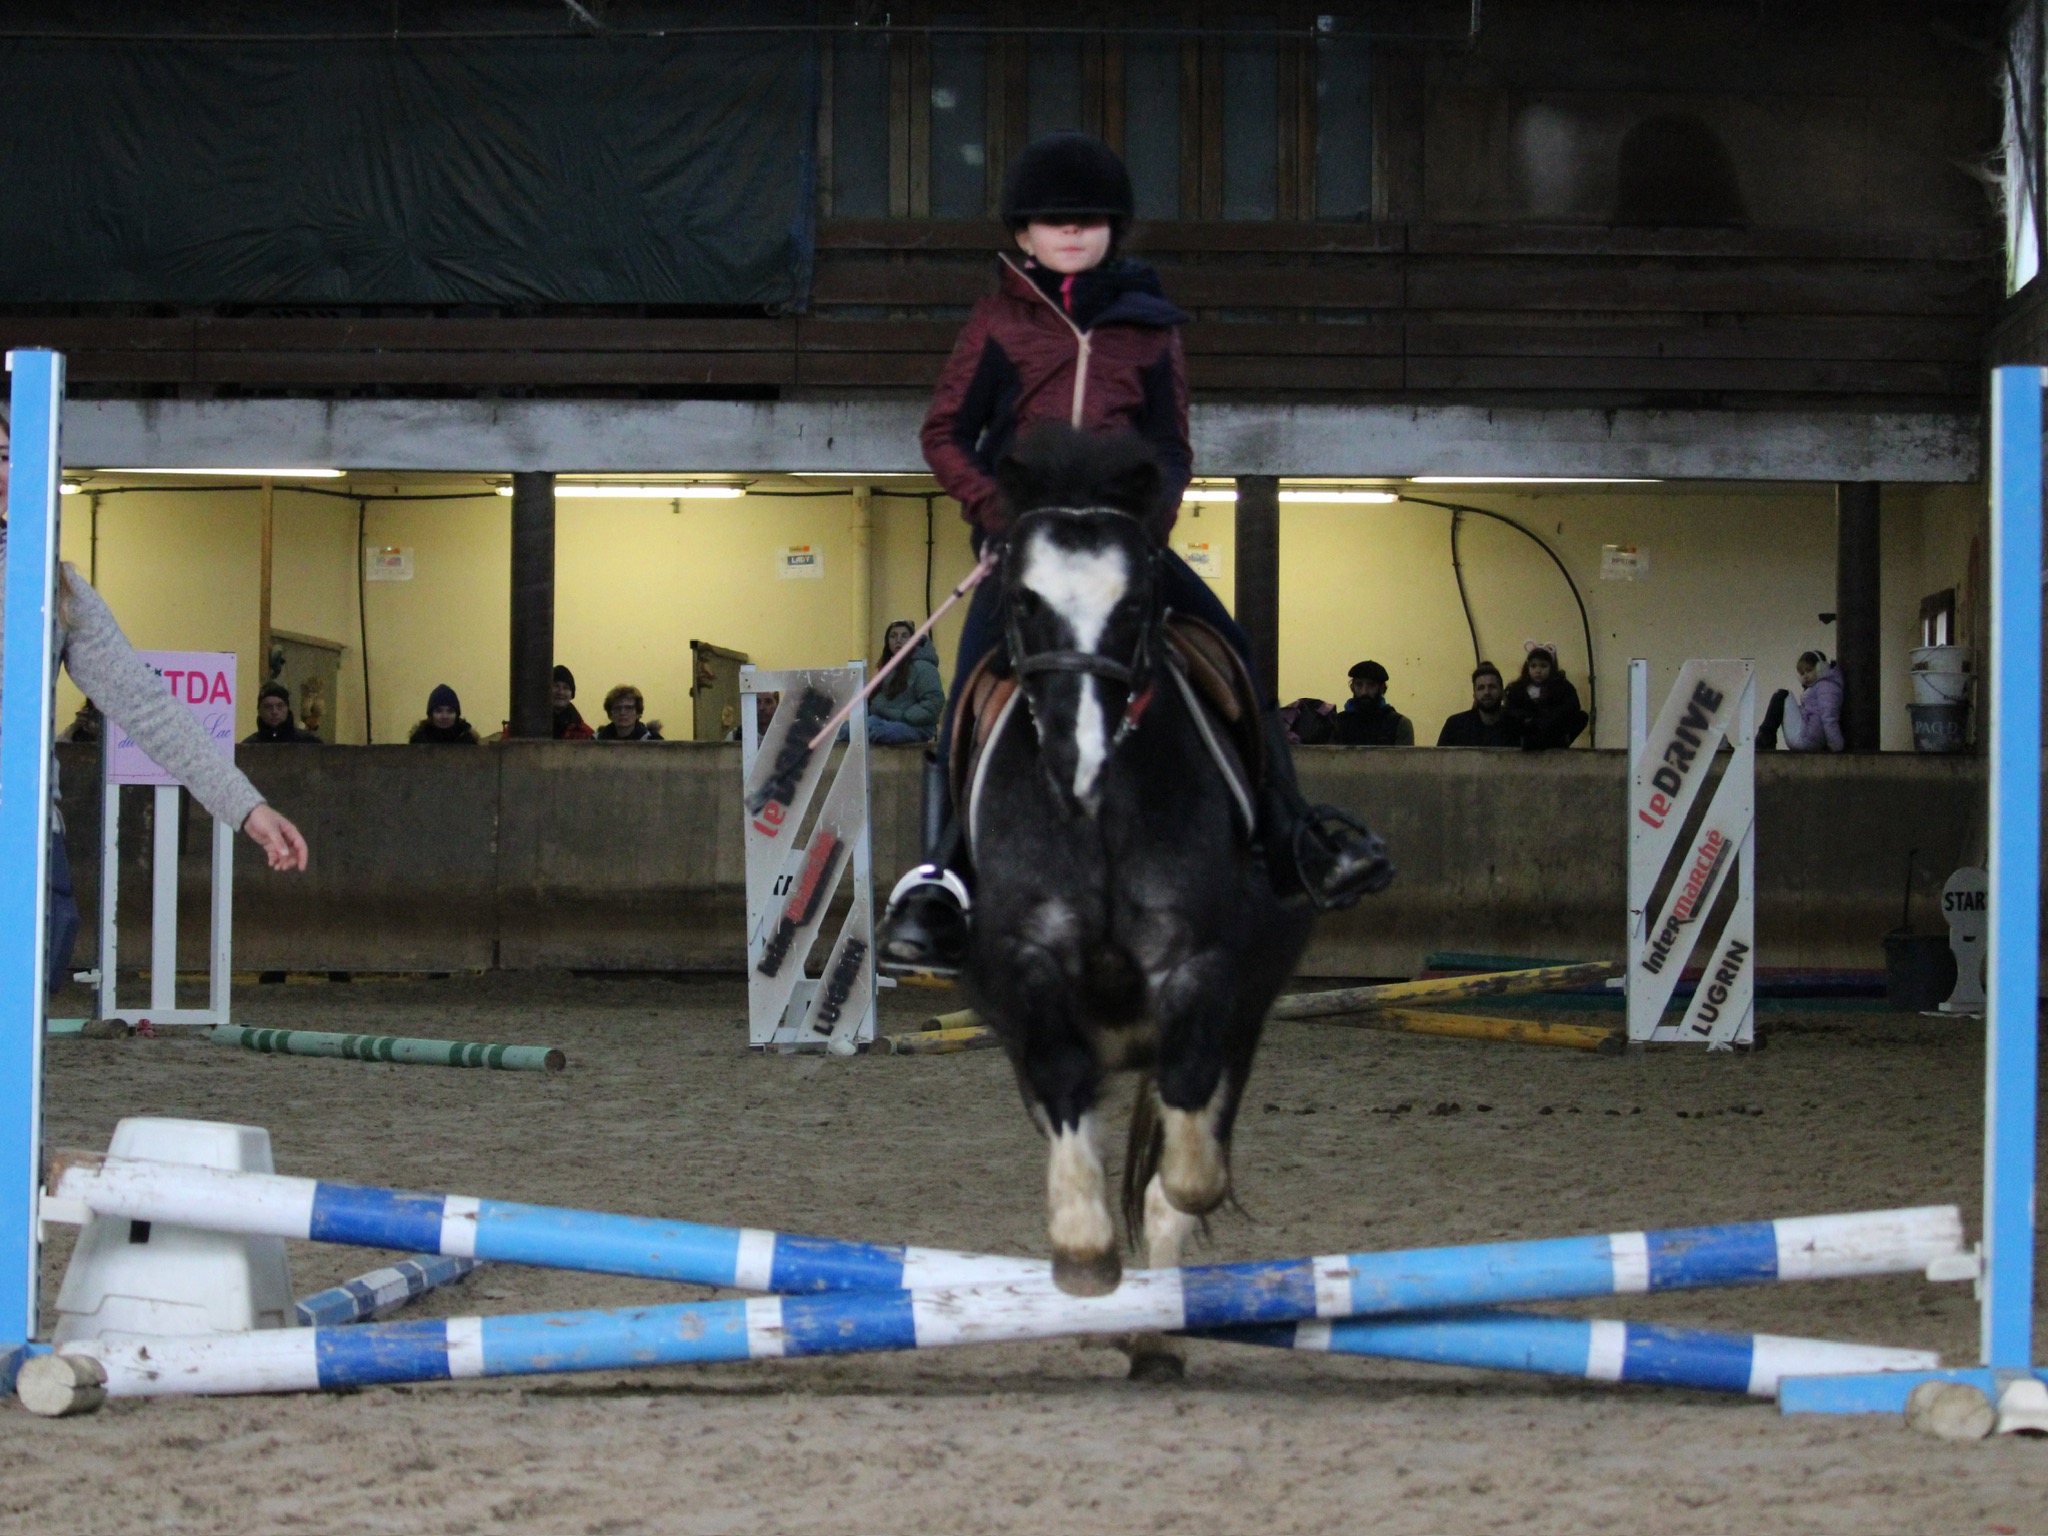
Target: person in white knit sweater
100	660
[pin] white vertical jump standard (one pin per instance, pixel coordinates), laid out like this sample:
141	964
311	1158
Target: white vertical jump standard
37	380
790	887
2012	963
1671	760
125	765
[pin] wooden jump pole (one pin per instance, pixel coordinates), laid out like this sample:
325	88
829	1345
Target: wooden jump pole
1444	989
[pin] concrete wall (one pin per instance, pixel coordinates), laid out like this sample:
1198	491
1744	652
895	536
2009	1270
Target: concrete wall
544	855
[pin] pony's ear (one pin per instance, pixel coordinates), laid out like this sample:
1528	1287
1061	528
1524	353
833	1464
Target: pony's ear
1017	477
1135	485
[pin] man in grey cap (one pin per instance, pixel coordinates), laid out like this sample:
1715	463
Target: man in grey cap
1369	720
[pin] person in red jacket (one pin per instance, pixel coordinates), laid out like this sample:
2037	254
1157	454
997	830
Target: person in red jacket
1078	333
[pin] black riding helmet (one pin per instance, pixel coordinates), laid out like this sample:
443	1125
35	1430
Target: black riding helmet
1068	174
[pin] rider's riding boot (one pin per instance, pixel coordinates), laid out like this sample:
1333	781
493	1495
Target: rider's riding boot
1318	851
924	931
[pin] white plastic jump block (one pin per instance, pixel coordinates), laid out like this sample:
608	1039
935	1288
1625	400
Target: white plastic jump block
141	1277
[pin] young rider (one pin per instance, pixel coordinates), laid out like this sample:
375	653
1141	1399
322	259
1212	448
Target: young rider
1081	334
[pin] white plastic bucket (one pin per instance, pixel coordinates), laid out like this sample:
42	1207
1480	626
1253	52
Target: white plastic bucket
1941	688
1944	659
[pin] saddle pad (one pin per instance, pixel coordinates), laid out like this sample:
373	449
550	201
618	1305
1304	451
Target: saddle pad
1207	670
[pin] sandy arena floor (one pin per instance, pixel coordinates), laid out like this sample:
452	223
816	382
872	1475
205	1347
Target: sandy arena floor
1351	1140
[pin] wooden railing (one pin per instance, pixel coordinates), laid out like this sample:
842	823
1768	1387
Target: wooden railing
1418	312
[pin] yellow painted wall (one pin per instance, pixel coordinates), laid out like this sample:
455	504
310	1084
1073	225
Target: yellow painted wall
313	592
181	572
451	623
1732	571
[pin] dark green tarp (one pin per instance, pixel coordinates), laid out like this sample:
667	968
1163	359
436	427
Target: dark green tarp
496	171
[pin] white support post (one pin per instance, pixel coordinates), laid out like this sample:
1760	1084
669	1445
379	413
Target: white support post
163	902
222	928
110	892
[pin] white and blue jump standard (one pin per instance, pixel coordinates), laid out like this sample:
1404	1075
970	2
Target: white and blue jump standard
833	1297
37	388
2012	1043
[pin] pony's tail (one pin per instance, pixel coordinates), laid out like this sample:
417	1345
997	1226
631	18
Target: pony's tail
1143	1148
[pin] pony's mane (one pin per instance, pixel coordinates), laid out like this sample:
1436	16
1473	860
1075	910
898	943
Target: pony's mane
1054	465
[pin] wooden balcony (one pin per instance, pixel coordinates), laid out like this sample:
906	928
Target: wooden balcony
1763	319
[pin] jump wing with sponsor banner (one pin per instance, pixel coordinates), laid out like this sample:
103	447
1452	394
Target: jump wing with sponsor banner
1713	701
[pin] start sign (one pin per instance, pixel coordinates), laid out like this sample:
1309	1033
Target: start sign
204	682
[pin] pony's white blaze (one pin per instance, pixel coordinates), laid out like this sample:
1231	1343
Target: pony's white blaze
1083	587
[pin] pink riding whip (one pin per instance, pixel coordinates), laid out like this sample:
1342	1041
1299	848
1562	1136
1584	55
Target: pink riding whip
968	583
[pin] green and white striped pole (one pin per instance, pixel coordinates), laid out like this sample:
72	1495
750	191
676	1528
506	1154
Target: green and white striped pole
396	1048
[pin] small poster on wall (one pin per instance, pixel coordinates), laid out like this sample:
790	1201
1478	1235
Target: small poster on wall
387	562
803	562
1623	562
1201	559
204	681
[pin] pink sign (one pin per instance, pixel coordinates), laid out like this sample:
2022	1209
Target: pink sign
204	681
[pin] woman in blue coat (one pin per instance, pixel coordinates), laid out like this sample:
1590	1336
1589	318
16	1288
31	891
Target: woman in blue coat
905	710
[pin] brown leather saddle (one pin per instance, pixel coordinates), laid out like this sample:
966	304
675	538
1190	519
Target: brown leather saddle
1199	662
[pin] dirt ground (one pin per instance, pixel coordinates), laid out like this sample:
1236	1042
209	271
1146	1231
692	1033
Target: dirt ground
1351	1140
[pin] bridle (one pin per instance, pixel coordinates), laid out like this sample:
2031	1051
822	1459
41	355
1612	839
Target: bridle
1135	676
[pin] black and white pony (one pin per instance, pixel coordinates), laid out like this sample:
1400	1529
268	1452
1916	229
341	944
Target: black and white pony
1123	918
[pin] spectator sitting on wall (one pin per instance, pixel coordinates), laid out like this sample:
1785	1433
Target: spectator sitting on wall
569	722
274	718
444	725
1369	720
1542	705
1310	722
623	707
87	726
905	710
1814	724
1486	723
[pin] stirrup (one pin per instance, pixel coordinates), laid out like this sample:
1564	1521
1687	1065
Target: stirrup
1314	844
902	912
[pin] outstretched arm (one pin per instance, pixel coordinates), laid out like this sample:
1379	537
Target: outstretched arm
104	665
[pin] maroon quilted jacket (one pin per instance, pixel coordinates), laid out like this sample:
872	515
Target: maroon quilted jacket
1100	350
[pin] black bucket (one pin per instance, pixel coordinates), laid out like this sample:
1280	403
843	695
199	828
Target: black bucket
1919	971
1940	727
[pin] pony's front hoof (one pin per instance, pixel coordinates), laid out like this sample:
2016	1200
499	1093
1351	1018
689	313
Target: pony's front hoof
1155	1360
1087	1274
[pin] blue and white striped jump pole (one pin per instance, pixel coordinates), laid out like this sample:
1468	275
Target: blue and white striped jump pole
379	1292
273	1205
37	389
842	1323
463	1226
1589	1349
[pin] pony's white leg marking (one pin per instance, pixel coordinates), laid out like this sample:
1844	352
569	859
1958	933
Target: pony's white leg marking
1083	587
1084	1255
1192	1172
1155	1357
1167	1229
